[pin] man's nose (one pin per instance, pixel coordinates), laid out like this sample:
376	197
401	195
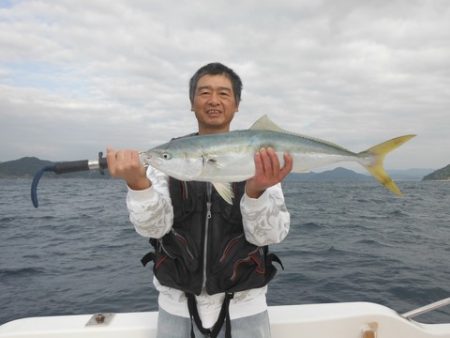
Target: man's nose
214	99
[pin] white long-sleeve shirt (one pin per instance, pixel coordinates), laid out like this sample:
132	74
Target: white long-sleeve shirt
266	221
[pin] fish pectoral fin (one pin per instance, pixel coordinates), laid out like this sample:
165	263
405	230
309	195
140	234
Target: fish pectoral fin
225	191
211	160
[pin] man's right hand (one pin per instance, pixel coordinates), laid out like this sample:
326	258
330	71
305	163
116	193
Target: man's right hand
125	164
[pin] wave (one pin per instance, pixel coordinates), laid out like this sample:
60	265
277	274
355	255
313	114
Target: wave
310	226
20	272
372	242
398	213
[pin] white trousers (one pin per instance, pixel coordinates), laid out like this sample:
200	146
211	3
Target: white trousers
171	326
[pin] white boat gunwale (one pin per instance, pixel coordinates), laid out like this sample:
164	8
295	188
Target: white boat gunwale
337	320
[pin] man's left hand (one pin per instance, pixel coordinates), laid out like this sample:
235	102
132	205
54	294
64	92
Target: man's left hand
267	171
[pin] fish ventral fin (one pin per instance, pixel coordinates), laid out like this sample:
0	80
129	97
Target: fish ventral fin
225	191
377	154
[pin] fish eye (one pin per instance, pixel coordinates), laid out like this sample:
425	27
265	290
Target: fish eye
166	156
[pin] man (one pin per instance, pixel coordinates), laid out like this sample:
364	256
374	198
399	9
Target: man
211	260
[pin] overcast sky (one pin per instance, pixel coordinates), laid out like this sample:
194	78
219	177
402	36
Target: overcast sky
78	76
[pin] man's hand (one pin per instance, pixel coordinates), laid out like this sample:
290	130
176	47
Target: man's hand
267	172
125	164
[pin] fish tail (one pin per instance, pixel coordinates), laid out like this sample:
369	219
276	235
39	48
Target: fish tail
376	155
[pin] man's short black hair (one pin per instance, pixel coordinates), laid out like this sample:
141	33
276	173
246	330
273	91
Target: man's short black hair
216	68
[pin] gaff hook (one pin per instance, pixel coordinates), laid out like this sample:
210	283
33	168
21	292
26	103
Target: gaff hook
67	167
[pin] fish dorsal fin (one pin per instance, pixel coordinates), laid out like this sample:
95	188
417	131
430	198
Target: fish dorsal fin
264	123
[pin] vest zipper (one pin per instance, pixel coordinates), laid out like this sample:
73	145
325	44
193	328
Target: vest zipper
208	217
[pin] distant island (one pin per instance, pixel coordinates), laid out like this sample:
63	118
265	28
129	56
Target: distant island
23	167
28	166
440	174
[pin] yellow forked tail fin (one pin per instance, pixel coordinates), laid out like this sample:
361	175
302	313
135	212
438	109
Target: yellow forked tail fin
377	154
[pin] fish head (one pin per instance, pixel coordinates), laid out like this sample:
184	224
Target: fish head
173	162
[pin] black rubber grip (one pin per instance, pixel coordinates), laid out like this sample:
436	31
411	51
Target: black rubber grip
103	163
71	166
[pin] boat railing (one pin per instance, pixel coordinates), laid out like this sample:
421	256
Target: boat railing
427	308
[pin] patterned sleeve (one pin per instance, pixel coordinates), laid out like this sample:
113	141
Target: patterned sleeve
151	210
266	219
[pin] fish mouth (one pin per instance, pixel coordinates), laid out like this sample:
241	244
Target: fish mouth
155	162
146	158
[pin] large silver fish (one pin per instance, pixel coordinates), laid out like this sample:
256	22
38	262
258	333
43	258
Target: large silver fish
229	157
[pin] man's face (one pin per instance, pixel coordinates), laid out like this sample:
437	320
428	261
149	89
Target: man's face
214	103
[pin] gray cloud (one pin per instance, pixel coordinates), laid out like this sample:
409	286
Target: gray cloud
76	77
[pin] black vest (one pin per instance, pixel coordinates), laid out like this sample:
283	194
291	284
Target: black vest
232	263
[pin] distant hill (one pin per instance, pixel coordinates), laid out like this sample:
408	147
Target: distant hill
337	174
440	174
28	166
23	167
342	174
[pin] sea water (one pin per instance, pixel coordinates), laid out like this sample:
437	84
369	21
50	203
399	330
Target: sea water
349	241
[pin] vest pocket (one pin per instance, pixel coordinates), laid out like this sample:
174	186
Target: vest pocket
241	266
170	272
253	262
174	261
177	247
230	248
